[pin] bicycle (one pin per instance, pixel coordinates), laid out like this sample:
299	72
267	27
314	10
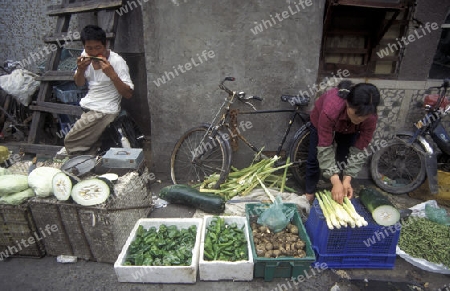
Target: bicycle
208	148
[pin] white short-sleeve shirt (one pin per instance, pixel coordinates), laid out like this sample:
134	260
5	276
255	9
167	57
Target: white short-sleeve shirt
102	94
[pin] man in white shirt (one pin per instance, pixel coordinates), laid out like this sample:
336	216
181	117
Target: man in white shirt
108	79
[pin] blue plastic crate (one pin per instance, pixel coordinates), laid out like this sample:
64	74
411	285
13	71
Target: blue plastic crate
370	239
356	261
69	93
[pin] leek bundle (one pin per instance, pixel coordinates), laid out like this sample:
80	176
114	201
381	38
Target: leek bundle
337	215
242	182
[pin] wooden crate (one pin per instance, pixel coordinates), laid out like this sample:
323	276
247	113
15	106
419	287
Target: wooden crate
95	233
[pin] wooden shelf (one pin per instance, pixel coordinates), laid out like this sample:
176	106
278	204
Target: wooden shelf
56	76
59	37
59	108
80	7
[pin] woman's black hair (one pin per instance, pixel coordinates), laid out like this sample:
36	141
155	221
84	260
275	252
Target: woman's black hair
363	97
93	32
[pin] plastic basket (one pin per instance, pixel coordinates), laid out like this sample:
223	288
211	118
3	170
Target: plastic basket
282	267
357	261
69	93
370	239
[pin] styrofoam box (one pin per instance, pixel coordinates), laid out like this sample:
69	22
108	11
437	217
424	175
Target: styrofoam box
222	270
160	274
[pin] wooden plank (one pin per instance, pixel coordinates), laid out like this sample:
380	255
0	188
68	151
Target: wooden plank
347	32
348	50
373	3
61	38
43	149
58	108
56	76
80	7
36	122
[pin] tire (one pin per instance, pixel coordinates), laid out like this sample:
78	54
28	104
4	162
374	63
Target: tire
398	168
298	154
214	157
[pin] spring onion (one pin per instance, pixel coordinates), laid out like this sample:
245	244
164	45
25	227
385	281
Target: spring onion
337	215
242	182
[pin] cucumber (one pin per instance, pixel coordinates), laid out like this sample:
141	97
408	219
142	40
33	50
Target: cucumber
186	195
382	210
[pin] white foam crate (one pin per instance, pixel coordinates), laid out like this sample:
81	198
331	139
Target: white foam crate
222	270
160	274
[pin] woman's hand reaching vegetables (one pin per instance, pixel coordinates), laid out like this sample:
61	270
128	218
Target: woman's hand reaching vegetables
338	190
341	189
348	189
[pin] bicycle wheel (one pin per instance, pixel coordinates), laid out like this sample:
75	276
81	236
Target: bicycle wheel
398	168
196	157
299	153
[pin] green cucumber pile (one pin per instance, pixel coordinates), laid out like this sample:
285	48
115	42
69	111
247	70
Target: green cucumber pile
166	246
225	242
425	239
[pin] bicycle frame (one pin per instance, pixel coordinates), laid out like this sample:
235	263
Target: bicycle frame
304	117
226	111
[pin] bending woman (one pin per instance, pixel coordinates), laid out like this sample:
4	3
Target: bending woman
342	125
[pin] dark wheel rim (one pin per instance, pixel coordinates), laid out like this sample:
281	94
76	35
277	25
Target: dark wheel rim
195	158
399	167
299	156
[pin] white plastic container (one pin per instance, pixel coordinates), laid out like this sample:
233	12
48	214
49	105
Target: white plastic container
160	274
222	270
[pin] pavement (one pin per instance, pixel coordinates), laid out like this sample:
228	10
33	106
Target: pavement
47	274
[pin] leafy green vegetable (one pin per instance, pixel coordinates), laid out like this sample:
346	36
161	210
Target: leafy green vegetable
423	238
225	242
166	246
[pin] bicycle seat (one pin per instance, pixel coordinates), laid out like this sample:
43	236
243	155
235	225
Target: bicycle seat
295	100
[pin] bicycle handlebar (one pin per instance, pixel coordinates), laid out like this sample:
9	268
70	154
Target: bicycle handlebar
241	95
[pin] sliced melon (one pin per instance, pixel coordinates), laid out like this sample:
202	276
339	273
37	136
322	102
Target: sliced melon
90	192
382	210
62	186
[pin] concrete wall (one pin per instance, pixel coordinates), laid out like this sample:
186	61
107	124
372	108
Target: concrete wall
279	59
418	55
23	24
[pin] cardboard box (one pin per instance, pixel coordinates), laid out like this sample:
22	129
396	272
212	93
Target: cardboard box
222	270
160	274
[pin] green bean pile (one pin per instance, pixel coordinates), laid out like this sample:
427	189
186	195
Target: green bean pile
423	238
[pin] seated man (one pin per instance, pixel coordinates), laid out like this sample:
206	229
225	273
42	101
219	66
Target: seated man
108	80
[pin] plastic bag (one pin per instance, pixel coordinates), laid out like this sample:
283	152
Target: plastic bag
438	215
21	84
277	216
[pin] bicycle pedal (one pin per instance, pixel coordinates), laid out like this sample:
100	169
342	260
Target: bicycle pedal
279	163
